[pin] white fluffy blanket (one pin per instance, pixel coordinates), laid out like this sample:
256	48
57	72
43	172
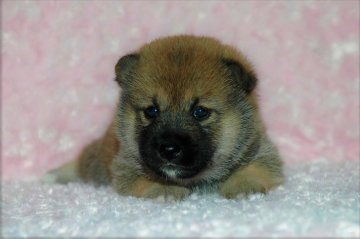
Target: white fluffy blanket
318	199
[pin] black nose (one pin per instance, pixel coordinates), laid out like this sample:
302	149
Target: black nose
170	151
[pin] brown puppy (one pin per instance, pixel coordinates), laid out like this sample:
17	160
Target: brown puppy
187	120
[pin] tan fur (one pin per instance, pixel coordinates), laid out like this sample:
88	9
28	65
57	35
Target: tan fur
143	187
176	70
254	178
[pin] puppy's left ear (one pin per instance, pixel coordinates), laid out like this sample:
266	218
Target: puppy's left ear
241	75
125	68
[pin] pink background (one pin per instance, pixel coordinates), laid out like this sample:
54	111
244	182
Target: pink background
58	58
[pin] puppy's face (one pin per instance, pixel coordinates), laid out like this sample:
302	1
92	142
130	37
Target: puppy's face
173	142
181	109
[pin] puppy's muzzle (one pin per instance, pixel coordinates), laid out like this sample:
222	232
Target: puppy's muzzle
174	148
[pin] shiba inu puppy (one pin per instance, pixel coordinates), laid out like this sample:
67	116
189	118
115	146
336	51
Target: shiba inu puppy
188	119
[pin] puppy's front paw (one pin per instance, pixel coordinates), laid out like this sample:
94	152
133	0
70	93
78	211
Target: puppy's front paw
167	193
148	189
252	179
241	189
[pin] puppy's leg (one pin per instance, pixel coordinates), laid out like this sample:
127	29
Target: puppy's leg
143	187
254	178
128	182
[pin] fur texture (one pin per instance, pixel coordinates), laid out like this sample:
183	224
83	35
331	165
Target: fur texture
193	98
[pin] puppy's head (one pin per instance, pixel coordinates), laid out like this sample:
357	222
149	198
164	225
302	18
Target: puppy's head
186	104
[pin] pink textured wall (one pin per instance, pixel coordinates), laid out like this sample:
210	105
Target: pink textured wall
58	57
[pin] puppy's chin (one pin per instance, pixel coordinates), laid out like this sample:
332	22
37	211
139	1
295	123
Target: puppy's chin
177	172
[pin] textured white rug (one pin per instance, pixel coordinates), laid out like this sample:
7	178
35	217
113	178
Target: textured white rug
319	199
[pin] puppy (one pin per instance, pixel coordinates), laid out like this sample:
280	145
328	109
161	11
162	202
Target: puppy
188	120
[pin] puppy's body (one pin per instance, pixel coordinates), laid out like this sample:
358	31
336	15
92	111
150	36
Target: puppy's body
187	120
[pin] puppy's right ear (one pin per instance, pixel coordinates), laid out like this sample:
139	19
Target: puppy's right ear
125	67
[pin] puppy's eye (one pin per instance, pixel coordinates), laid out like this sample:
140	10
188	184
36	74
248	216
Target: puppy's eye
201	113
151	112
